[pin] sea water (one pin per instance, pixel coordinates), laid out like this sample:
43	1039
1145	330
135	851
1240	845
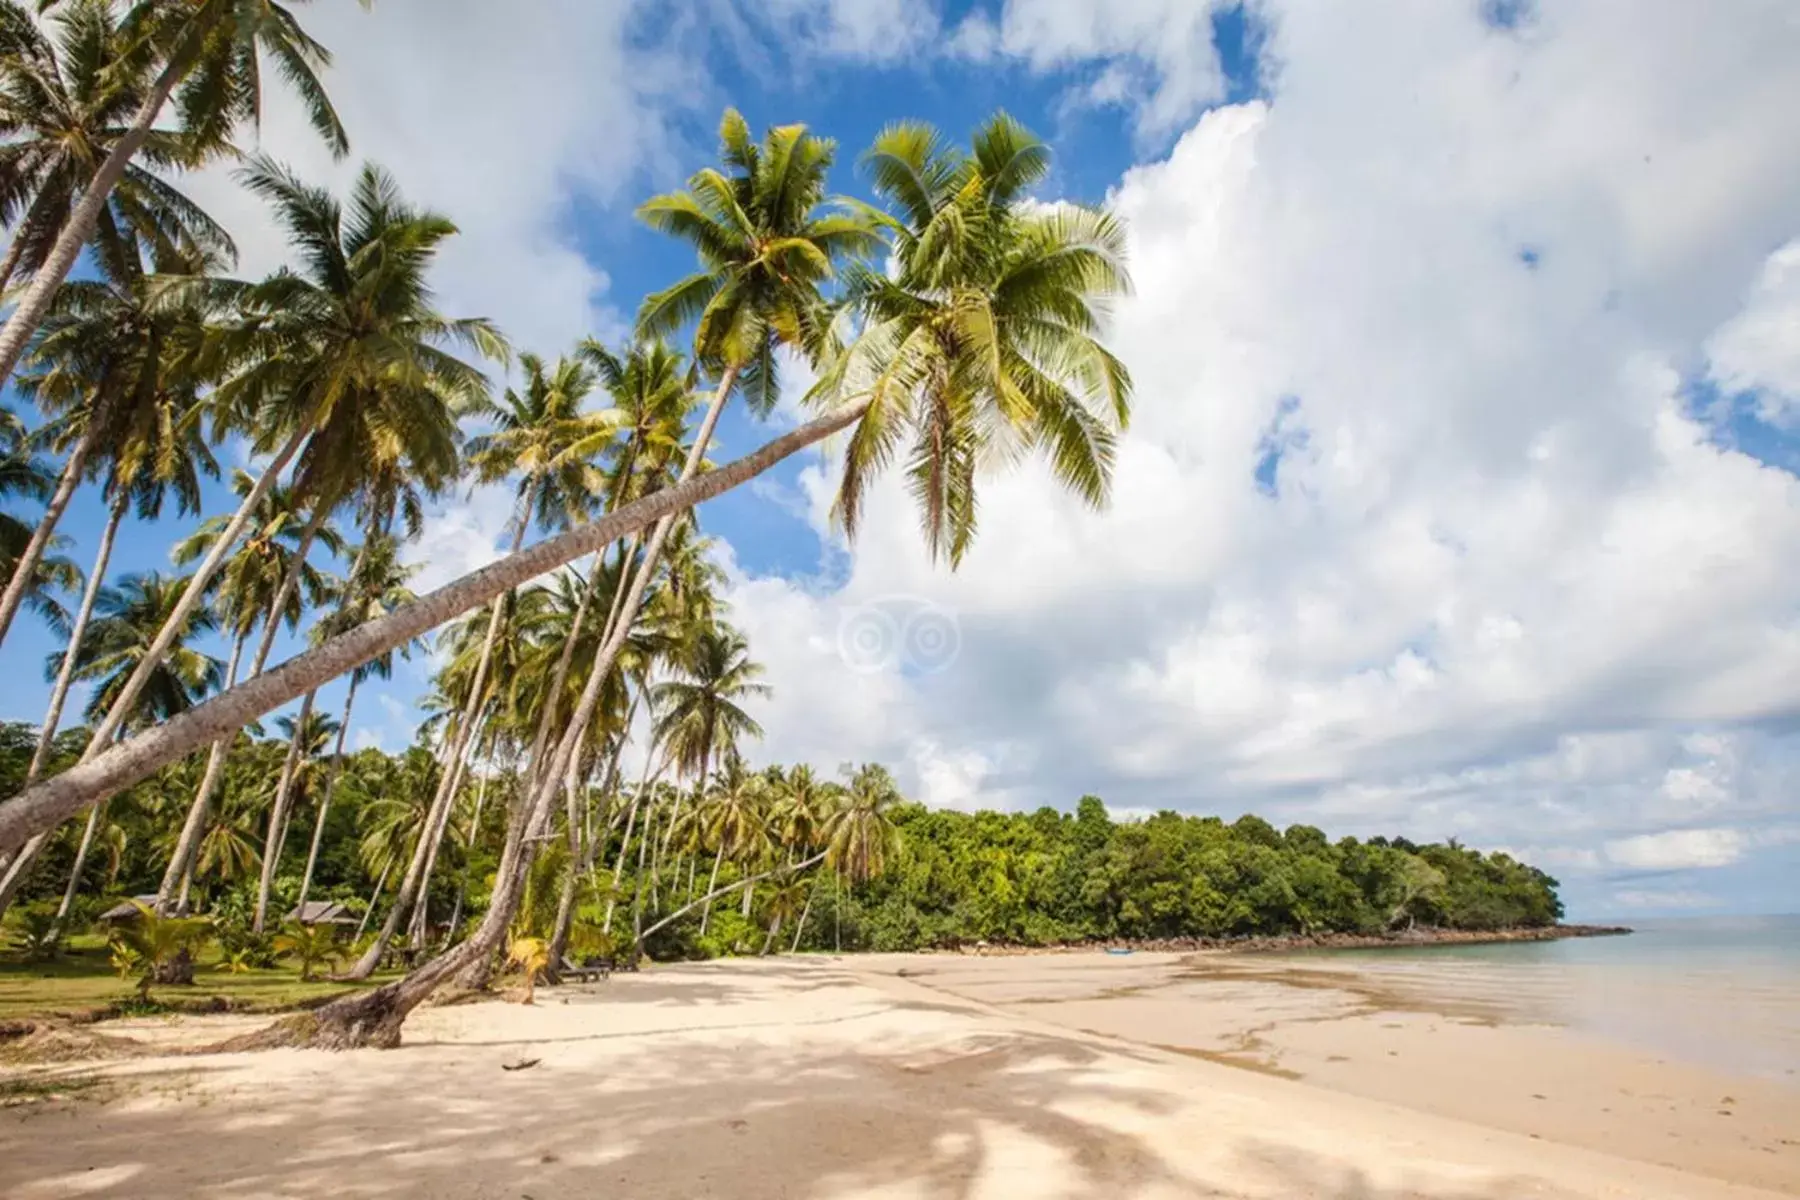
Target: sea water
1719	991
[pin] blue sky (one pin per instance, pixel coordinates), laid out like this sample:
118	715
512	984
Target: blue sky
1460	497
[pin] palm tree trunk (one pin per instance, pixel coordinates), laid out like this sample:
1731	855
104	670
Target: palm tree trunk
800	929
462	891
59	694
774	928
711	885
290	768
194	828
65	675
374	897
747	881
420	926
837	910
331	778
16	251
79	230
52	800
25	570
81	853
184	608
436	817
290	581
547	718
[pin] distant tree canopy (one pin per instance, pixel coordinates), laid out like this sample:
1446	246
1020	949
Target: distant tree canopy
949	878
1048	876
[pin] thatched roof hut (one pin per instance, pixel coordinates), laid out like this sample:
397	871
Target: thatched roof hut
322	912
126	910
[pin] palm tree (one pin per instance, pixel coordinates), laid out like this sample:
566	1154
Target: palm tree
308	734
765	244
701	708
860	835
207	55
66	94
249	587
344	363
120	638
376	586
734	821
25	475
987	336
110	355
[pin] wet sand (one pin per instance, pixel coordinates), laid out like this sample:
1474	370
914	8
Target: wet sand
887	1077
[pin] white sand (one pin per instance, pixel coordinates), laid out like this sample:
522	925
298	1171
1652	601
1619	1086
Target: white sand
805	1079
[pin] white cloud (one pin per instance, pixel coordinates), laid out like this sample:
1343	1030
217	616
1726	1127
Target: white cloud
547	104
1678	850
1155	57
1506	588
881	31
1641	900
1759	349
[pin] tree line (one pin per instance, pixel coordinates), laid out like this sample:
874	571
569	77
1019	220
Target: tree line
893	875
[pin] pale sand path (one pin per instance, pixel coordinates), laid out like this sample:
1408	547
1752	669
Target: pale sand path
804	1079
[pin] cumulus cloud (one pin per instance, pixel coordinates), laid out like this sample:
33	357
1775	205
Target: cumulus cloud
1414	527
1759	349
1156	58
1678	850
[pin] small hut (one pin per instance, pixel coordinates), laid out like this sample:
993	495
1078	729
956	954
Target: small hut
126	911
321	912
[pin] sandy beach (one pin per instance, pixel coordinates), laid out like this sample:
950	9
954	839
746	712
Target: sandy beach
922	1076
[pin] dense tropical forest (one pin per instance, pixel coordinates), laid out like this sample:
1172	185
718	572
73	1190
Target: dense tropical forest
927	879
578	784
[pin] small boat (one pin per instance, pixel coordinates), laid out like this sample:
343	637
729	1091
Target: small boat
1118	950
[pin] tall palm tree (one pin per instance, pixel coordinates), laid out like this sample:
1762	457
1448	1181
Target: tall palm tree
110	358
68	89
702	706
249	590
860	835
376	586
114	369
766	243
207	56
128	615
345	362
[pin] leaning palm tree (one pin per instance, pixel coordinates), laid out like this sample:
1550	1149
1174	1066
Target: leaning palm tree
111	370
112	364
345	362
24	474
128	616
1029	252
206	55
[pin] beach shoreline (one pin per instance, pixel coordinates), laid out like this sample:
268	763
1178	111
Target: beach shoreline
1417	938
902	1076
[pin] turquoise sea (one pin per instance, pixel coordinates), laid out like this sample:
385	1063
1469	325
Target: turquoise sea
1719	991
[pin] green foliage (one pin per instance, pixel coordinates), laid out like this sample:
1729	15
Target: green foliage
37	937
157	949
1050	877
311	944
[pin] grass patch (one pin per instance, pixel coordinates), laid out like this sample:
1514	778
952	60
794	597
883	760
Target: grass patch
80	984
37	1087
